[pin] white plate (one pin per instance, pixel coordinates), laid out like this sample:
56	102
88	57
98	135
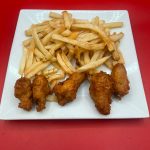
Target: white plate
132	105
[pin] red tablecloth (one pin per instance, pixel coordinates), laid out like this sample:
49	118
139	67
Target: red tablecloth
77	134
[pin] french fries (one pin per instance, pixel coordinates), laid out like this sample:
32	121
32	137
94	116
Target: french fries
63	40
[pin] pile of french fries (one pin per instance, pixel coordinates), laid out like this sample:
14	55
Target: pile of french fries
62	45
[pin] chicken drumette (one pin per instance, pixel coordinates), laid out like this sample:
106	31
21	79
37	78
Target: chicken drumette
66	90
101	90
23	91
40	91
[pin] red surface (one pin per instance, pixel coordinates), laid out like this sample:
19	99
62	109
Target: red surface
77	134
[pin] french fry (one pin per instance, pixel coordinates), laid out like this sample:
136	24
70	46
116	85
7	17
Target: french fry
106	39
29	59
51	98
55	15
95	21
46	22
55	24
66	33
47	38
86	57
113	25
56	77
38	69
93	64
53	83
32	67
115	55
23	61
55	47
96	41
116	37
109	63
67	19
63	65
27	42
67	62
38	54
80	21
49	71
38	29
85	45
73	35
86	37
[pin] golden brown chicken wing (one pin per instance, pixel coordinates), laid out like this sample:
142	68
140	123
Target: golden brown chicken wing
101	90
121	82
40	91
23	91
66	90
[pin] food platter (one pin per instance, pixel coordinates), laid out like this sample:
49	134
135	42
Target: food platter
132	105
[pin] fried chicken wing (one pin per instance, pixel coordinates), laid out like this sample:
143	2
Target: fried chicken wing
40	91
23	91
66	90
101	90
121	82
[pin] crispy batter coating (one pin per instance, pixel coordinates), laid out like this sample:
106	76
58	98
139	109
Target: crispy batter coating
121	82
23	91
40	91
101	90
66	90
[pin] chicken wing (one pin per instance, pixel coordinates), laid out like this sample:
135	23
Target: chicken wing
101	90
121	82
40	91
23	91
66	90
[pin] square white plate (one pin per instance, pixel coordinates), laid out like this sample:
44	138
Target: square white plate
132	105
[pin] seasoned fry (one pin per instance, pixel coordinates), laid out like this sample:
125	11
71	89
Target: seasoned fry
84	45
93	64
80	21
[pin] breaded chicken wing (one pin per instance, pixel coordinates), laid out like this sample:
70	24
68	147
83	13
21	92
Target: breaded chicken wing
40	91
23	91
66	90
121	82
101	90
